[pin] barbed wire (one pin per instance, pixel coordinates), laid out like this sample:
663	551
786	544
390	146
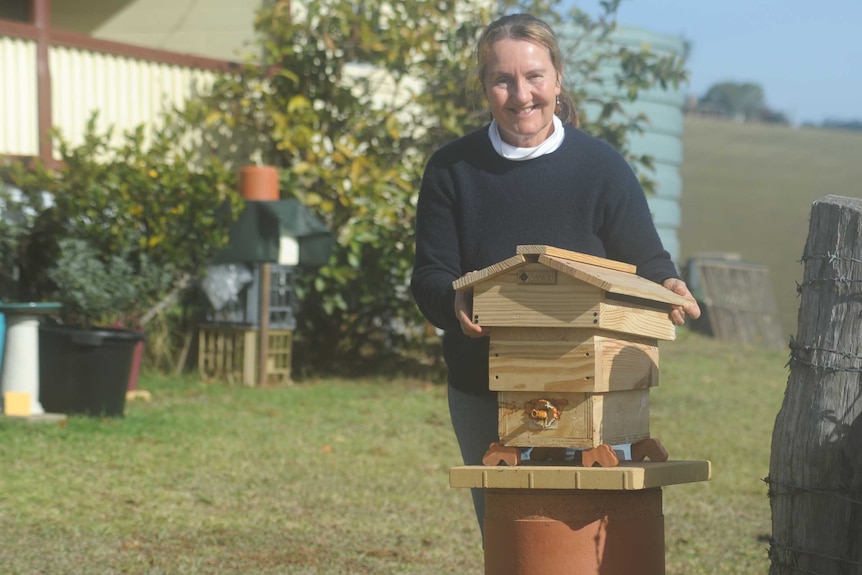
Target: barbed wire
773	545
792	489
797	346
799	355
831	257
835	493
835	280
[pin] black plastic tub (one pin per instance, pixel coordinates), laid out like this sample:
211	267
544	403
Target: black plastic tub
85	370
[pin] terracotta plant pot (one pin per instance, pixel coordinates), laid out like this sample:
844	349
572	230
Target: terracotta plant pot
259	183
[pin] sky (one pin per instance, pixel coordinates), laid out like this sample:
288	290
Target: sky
805	54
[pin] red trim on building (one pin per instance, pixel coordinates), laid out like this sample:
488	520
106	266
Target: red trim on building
18	30
41	12
82	42
74	40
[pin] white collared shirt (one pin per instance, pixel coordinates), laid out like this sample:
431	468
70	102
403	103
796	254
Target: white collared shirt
517	154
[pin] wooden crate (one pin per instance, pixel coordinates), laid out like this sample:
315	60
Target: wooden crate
585	420
568	360
279	356
229	353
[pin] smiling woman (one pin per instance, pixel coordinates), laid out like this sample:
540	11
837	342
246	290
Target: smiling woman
530	177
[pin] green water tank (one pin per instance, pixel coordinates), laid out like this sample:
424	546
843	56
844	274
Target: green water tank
662	137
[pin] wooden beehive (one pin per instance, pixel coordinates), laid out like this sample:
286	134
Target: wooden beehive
573	346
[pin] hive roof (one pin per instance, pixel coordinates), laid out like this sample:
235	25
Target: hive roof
608	275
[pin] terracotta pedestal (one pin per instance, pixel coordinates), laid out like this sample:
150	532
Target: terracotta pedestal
607	532
589	521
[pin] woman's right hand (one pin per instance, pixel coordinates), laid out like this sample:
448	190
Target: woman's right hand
464	313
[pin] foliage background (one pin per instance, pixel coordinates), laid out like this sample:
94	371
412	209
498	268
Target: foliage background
116	232
349	102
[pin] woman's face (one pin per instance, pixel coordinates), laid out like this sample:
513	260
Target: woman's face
521	86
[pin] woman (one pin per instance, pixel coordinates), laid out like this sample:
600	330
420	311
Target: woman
530	177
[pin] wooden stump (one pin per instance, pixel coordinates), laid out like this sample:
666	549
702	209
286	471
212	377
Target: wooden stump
815	471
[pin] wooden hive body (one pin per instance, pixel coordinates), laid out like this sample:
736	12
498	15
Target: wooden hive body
576	333
561	359
585	420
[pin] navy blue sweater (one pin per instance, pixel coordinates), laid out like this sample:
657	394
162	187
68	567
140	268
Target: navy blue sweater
475	207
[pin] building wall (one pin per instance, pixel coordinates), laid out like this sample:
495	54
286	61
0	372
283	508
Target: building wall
14	10
219	29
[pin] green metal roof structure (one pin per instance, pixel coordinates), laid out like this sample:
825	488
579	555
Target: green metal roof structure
256	237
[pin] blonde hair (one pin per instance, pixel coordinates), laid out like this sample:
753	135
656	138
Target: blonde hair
531	29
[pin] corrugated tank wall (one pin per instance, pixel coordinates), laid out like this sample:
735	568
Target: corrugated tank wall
662	137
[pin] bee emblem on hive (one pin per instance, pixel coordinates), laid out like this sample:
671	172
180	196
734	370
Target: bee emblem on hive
543	414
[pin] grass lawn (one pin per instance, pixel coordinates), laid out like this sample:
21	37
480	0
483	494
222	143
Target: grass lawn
349	477
748	189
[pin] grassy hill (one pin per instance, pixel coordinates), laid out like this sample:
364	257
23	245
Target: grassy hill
748	189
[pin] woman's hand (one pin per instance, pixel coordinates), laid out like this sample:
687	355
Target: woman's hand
678	313
464	313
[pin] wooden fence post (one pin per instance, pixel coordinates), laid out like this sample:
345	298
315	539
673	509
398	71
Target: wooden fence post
815	471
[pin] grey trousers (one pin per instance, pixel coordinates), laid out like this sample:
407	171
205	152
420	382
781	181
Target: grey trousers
474	419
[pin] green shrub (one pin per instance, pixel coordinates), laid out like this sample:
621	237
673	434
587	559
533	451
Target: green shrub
95	292
113	230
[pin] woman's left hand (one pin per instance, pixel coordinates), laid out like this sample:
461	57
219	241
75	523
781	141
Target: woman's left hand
678	313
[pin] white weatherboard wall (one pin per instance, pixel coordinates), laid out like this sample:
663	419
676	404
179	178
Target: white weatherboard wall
662	137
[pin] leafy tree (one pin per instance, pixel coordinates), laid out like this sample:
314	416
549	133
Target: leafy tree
735	99
850	125
349	101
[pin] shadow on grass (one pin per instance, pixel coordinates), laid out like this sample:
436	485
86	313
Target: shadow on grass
411	366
